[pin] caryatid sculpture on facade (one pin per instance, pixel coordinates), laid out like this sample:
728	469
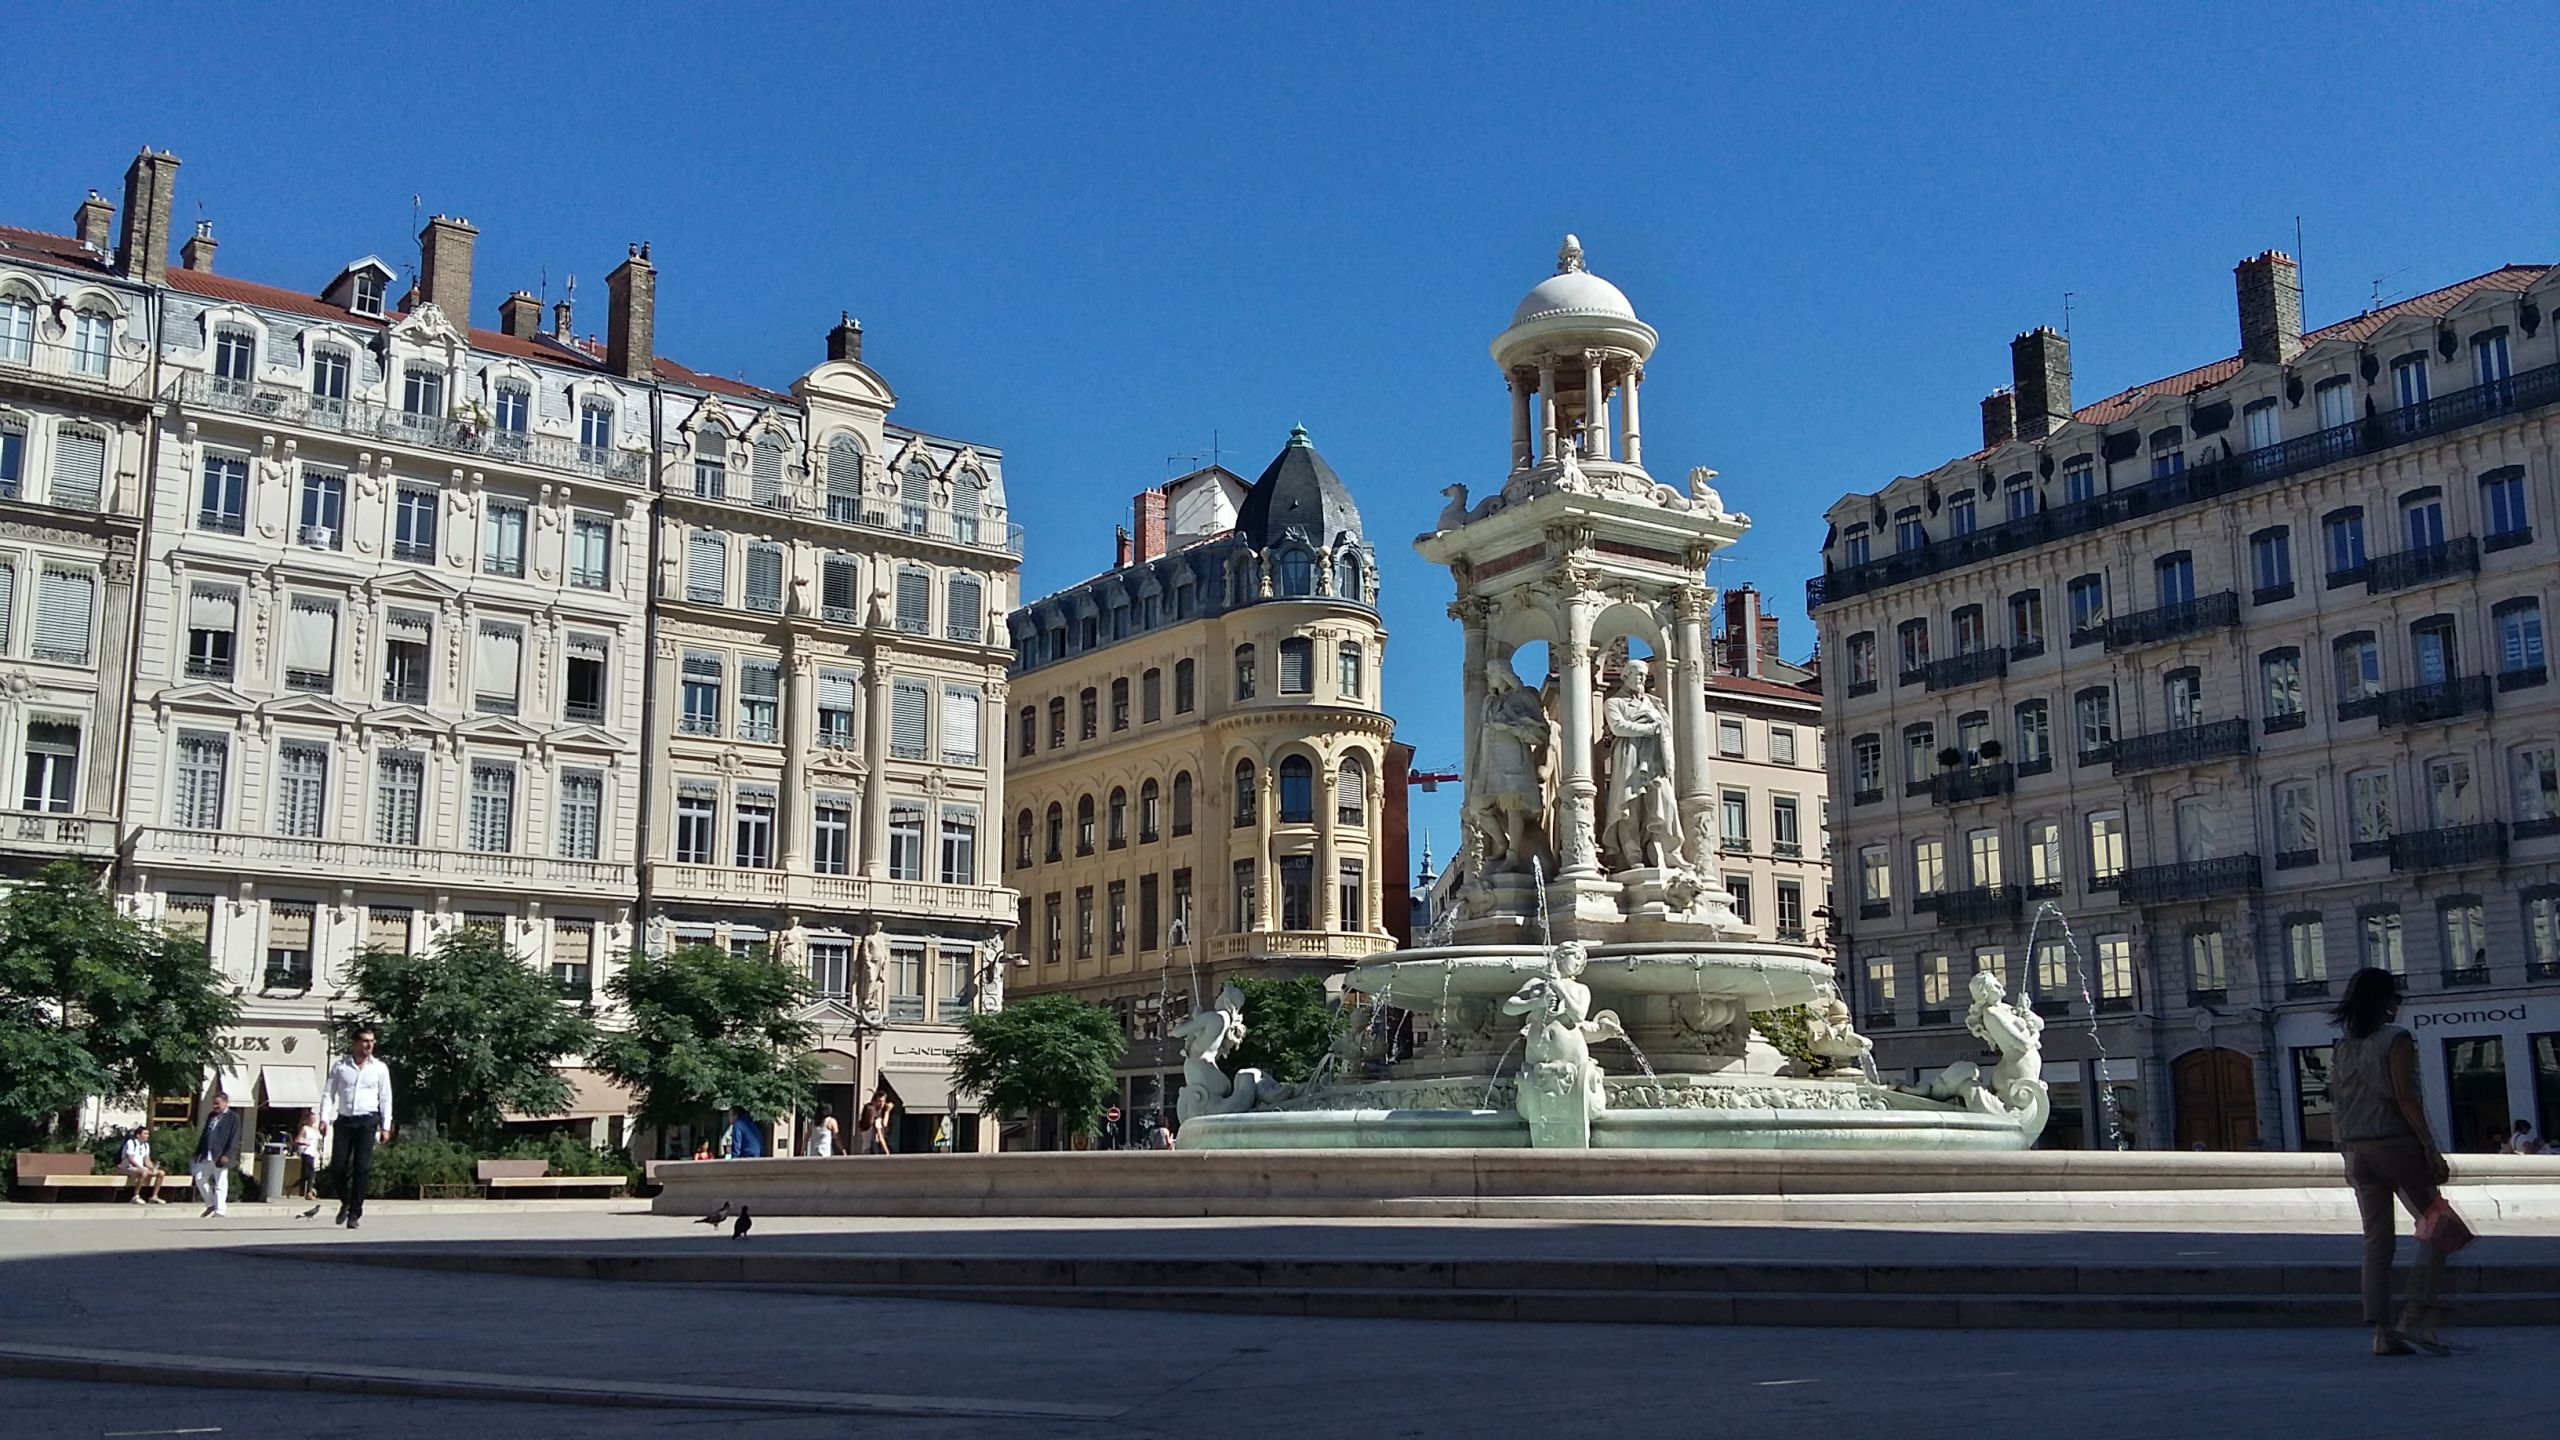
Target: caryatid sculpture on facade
873	999
1644	810
1508	808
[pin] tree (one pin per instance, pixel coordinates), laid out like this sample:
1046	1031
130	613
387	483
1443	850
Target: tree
96	1002
1046	1052
470	1029
1287	1027
708	1030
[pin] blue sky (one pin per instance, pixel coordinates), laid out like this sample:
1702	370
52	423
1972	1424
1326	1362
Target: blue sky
1098	236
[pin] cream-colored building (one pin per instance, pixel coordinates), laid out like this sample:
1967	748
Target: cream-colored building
827	700
1197	758
1764	723
2242	670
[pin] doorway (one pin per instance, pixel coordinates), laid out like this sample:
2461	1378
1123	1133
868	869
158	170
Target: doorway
2217	1095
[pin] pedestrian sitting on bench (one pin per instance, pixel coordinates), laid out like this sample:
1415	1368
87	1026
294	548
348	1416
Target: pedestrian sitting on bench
135	1162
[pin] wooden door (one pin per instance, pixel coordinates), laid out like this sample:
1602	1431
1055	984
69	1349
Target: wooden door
2217	1097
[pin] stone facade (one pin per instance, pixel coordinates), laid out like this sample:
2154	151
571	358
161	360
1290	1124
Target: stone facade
2243	672
1764	727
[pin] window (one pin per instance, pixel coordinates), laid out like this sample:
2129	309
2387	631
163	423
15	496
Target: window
2271	564
2079	479
2020	497
1862	662
2088	597
1729	736
1936	987
1782	745
1054	850
502	539
1297	892
235	360
1057	722
79	469
1866	767
1151	697
2422	519
2044	857
2093	716
2542	930
1349	671
92	334
1739	887
2342	538
2379	937
1857	547
2502	505
399	785
1084	825
2115	971
64	600
1966	630
213	621
2262	425
2466	945
764	578
2035	737
2182	698
53	768
591	552
765	477
2297	813
697	822
706	568
1297	666
2409	386
1244	672
844	479
2336	402
581	814
965	609
1246	787
2026	624
1120	715
1734	821
2369	811
1875	876
909	732
840	590
2520	655
1182	803
1118	811
2359	673
2173	579
1960	515
515	408
701	694
1297	792
497	669
2168	452
1351	908
1909	533
1928	867
2106	847
2431	650
1982	857
1919	753
906	840
915	496
1351	792
2306	950
1913	637
711	463
13	458
760	700
959	847
2280	688
2535	774
17	330
222	500
2451	800
835	711
915	602
595	431
311	644
413	523
583	683
2208	974
323	509
754	829
831	836
288	946
422	392
1185	687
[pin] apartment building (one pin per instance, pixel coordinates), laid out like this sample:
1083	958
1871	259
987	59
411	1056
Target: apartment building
1203	782
1765	717
2242	671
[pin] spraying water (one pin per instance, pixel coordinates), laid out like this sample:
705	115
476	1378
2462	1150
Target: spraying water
2109	1111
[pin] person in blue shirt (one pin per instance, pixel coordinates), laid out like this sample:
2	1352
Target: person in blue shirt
746	1139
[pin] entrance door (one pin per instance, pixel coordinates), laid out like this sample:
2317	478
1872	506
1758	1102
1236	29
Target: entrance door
2217	1092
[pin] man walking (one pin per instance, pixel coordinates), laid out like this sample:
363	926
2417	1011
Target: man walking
355	1106
217	1151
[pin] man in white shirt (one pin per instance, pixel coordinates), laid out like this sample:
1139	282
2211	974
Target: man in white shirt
355	1107
136	1163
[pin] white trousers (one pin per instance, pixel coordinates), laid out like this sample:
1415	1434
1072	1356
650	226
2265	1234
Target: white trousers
213	1185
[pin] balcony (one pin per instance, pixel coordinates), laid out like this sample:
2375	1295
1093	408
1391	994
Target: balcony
2453	847
59	836
2464	976
1295	945
2186	745
1971	783
1874	909
990	904
1966	669
2423	566
2523	677
54	370
2171	622
2245	470
2426	704
1981	905
233	851
811	502
2302	989
2189	880
365	421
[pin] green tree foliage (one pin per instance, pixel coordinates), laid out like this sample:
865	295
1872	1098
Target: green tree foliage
708	1030
1790	1033
469	1028
96	1003
1287	1027
1046	1052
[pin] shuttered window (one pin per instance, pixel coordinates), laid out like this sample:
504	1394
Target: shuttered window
388	927
967	613
959	725
8	602
591	552
302	784
764	578
768	471
502	542
581	814
197	801
915	601
759	700
311	643
915	493
1297	666
497	667
706	568
190	916
493	807
967	492
840	593
64	599
79	469
398	781
573	957
908	703
844	478
835	707
701	694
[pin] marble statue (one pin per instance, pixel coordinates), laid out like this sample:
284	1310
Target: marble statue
1453	514
1206	1036
1643	827
873	998
1835	1038
2016	1083
1559	1092
1507	798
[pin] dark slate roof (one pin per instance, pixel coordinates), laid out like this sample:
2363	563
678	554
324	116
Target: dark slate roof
1299	492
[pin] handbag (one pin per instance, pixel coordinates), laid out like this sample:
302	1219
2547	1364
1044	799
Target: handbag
2444	1228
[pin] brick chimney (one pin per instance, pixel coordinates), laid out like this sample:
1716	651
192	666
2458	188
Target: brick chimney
1154	519
93	224
560	329
520	315
1768	641
197	253
631	330
1121	547
150	195
2040	372
1999	417
845	341
1743	631
444	267
2270	286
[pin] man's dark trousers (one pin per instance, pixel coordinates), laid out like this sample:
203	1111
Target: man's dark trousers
351	1159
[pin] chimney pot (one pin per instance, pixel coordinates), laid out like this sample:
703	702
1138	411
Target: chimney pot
94	223
150	195
197	253
560	327
2040	372
520	315
2270	294
631	327
1999	418
845	341
1120	547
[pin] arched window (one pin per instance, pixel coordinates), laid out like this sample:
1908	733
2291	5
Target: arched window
1150	812
1119	817
1244	793
844	479
1351	792
1297	572
1245	676
915	497
1022	840
1084	825
1056	849
1297	791
1346	575
1182	803
968	496
768	472
17	329
1120	703
711	462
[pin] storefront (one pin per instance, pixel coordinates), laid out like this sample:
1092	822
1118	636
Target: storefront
2482	1065
915	1073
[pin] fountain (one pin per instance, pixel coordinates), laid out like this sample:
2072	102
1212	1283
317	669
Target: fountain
1592	934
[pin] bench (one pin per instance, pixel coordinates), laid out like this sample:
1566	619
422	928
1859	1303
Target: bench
48	1175
517	1176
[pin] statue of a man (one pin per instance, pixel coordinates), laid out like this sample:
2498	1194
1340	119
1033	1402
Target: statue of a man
1508	802
874	997
1644	813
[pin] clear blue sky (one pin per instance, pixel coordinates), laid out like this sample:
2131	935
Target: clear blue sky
1097	235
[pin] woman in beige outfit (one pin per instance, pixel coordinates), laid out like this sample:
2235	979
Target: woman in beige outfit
2382	1131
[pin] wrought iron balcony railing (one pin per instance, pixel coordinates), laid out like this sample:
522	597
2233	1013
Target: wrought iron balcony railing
2185	745
2423	566
2451	847
2424	704
1976	782
1981	905
2189	880
365	420
2170	622
1965	669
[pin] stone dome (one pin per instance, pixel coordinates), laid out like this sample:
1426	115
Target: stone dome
1573	290
1570	312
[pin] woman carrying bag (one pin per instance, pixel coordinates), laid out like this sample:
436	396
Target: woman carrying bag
2389	1149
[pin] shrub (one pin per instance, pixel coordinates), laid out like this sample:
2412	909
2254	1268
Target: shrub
568	1156
405	1166
1790	1032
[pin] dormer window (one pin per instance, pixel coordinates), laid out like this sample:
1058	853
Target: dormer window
366	296
515	408
422	392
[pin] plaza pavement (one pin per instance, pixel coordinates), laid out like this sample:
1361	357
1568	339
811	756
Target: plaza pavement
159	1292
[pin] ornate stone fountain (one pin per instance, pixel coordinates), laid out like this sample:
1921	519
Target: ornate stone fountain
1594	939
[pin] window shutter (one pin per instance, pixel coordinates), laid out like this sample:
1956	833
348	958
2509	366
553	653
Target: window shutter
764	577
835	690
62	615
311	636
965	496
844	475
705	563
968	607
213	610
1294	655
498	661
915	601
573	942
701	667
907	719
841	593
760	680
79	469
412	627
960	725
8	599
768	471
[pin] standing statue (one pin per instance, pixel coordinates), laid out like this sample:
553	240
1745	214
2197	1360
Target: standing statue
1644	813
1559	1092
873	999
1207	1036
1507	801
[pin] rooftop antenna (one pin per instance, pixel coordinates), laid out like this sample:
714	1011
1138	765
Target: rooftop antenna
2067	297
2377	287
415	225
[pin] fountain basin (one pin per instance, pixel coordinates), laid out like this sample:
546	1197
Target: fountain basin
1754	974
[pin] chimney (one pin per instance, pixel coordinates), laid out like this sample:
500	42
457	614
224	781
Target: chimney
520	315
845	341
1154	512
1999	417
1768	642
631	330
2270	286
444	267
1745	633
560	329
150	194
93	224
2040	369
197	253
1121	547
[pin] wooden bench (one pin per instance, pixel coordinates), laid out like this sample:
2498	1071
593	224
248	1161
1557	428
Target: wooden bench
48	1175
517	1176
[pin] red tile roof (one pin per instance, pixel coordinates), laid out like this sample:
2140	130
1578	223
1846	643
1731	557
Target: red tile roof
669	370
1733	684
52	249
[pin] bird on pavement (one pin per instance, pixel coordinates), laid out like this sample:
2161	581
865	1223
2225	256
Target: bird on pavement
746	1222
716	1216
307	1214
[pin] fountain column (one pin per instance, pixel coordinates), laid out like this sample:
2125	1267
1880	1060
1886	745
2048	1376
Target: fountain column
1578	789
1519	423
1327	782
1472	615
1547	408
1595	414
1689	719
1634	433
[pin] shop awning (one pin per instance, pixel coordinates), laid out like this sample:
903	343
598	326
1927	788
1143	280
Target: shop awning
234	1086
923	1092
289	1087
590	1095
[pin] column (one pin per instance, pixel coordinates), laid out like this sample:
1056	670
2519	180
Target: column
1546	408
875	765
1580	789
1266	865
1686	696
791	810
1634	447
1327	910
1519	424
1595	411
994	827
1472	613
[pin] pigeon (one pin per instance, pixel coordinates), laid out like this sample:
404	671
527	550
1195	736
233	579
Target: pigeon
746	1222
314	1210
716	1216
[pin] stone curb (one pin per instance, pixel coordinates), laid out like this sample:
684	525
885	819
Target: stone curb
55	1362
186	1209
